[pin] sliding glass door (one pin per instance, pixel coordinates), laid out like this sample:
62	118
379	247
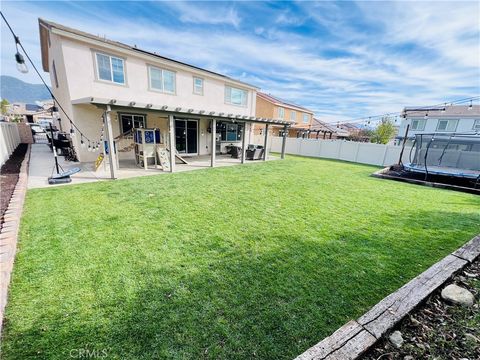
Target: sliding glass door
186	136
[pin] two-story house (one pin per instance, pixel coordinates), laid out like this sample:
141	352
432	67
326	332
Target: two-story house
269	106
107	86
444	120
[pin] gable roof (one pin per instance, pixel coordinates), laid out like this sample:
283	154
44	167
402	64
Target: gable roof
319	125
45	26
443	112
277	101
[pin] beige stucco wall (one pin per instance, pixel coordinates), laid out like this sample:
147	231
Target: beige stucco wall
90	118
80	69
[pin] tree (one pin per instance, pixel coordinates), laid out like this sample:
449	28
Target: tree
384	132
4	104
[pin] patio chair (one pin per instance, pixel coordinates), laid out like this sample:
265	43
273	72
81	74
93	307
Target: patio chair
255	153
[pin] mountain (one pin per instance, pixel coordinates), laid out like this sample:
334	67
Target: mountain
16	90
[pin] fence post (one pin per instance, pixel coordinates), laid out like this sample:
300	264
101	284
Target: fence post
385	155
357	151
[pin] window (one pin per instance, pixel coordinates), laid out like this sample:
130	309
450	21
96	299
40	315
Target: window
447	125
110	68
54	70
130	121
198	86
162	80
235	96
281	112
476	125
229	131
293	115
306	118
418	125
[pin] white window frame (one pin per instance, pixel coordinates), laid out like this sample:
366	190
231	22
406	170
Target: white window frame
162	90
476	125
293	115
229	101
281	112
97	68
306	118
195	85
446	127
419	121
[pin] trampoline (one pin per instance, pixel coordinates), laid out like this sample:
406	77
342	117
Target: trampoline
453	155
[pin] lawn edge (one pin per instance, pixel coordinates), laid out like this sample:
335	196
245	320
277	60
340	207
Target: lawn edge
351	340
9	232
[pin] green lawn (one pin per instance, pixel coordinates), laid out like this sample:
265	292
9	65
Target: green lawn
262	260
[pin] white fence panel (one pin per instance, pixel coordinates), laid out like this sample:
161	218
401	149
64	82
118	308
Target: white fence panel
372	154
330	149
9	140
310	147
364	153
348	150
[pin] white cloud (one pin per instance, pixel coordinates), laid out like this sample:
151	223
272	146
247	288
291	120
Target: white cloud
369	76
198	13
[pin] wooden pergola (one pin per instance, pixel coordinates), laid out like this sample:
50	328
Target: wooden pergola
108	105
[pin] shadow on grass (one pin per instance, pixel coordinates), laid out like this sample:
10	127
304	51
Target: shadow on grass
264	302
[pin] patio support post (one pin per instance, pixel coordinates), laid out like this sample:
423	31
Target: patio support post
213	143
111	144
265	150
171	134
244	137
284	141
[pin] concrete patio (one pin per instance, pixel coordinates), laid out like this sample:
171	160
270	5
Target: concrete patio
42	166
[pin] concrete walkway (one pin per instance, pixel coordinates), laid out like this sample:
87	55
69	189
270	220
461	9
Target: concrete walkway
42	166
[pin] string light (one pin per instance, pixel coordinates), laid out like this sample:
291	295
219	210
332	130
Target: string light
470	107
22	67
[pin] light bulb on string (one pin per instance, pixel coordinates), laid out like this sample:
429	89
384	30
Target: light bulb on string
444	108
21	66
82	143
426	115
470	107
89	147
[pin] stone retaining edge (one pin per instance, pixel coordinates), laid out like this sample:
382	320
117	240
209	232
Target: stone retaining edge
355	337
9	232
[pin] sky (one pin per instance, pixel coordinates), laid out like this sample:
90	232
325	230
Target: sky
342	59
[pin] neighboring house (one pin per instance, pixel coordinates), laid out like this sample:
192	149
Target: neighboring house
442	120
269	106
323	130
197	110
30	113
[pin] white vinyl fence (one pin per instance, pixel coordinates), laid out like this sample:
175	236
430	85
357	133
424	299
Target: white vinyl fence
359	152
9	140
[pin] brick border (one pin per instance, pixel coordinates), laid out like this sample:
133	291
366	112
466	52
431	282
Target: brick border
355	337
9	232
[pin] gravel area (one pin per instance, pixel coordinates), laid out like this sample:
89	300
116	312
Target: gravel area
9	177
438	329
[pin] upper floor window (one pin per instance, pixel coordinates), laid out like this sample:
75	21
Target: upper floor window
162	80
418	125
235	96
476	125
281	112
447	125
110	68
306	118
293	115
198	86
